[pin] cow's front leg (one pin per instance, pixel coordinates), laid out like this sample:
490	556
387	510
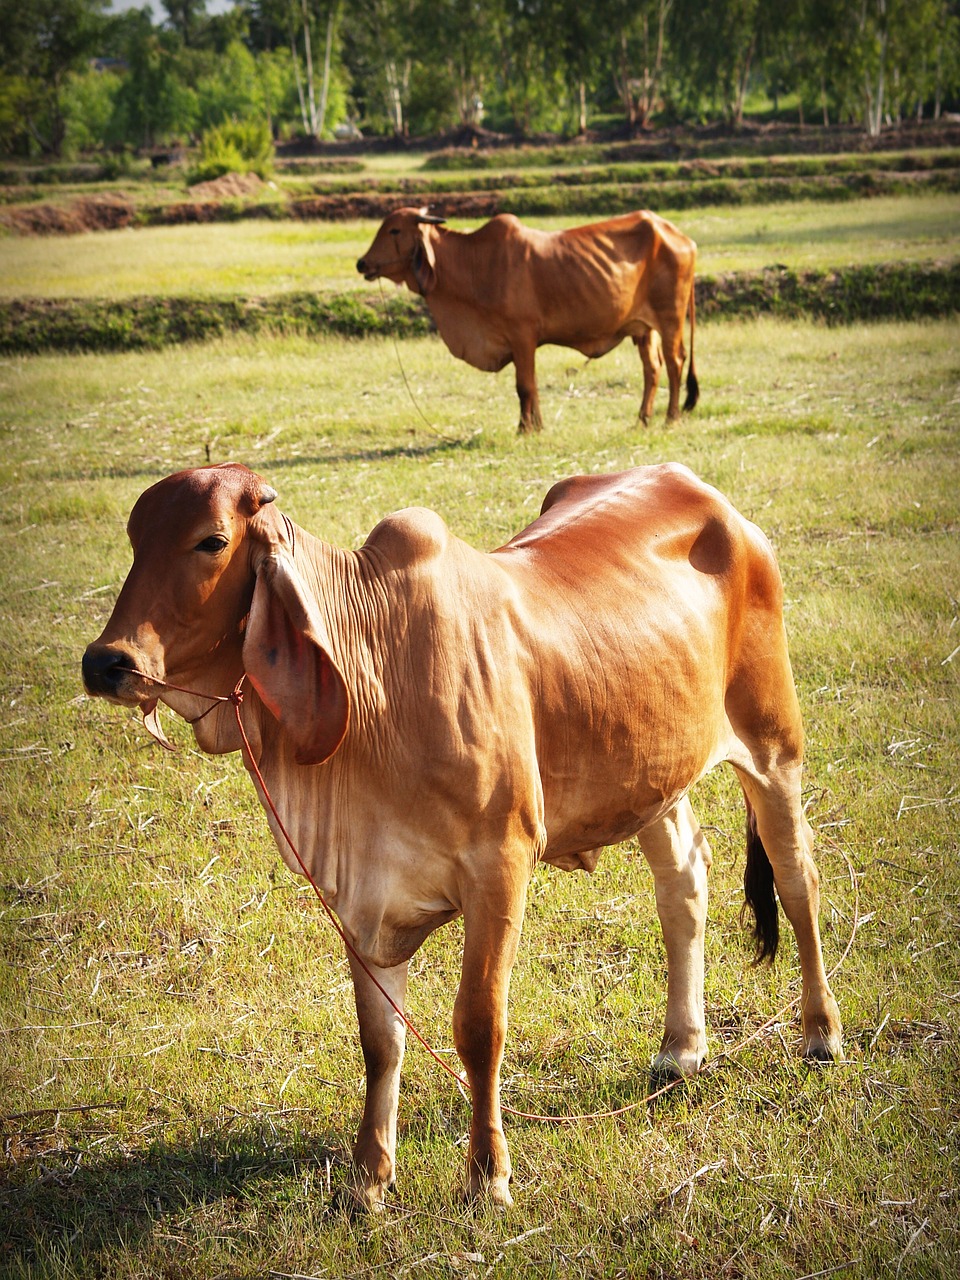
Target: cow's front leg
493	918
382	1036
651	358
525	364
680	858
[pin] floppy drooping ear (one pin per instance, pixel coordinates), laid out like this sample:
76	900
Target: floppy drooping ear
424	261
286	655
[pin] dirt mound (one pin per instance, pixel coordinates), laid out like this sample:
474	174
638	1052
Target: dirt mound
106	212
227	187
480	204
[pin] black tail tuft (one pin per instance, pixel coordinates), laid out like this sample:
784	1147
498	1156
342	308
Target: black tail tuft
758	887
693	392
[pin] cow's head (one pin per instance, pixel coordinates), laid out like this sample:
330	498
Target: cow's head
213	591
403	251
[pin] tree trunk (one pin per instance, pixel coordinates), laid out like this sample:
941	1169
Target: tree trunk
324	88
396	85
308	57
873	82
296	72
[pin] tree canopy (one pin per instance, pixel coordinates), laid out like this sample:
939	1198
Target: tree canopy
73	77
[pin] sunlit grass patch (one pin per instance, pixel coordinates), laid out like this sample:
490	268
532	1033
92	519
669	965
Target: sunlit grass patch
180	1066
268	258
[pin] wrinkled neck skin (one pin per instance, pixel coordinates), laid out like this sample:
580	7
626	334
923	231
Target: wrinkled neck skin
343	587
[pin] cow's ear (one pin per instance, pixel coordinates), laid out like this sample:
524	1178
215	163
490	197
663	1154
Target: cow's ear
286	656
424	262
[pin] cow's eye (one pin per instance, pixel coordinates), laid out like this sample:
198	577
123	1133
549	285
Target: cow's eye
213	545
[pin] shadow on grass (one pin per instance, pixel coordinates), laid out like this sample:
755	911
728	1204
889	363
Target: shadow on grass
68	1205
439	444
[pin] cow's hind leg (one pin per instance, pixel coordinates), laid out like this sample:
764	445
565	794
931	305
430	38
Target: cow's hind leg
382	1036
651	357
674	354
679	856
775	810
493	917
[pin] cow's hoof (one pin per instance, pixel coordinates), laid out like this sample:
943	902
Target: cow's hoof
489	1192
822	1035
823	1053
359	1202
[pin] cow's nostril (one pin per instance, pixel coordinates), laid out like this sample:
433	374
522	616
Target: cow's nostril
362	265
103	669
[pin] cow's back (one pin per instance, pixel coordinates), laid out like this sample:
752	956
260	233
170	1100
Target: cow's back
635	587
597	284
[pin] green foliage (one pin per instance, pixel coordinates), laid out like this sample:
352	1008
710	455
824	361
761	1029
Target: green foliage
237	146
90	107
138	324
843	296
41	42
408	67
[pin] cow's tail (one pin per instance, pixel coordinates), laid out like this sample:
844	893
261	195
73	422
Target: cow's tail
758	888
693	386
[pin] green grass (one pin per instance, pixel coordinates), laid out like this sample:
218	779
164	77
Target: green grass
161	968
268	257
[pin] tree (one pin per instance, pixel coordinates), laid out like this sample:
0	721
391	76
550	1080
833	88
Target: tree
384	39
878	59
522	81
154	103
462	46
638	54
41	42
186	17
714	47
578	34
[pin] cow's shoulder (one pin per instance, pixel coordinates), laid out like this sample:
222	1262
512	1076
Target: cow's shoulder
411	536
503	227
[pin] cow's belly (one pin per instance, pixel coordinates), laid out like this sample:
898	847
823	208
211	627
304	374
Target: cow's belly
610	798
579	826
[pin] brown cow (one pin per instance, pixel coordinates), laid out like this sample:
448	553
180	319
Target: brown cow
498	293
433	721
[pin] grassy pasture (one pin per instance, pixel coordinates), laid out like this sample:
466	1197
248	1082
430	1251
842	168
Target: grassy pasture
179	1070
275	257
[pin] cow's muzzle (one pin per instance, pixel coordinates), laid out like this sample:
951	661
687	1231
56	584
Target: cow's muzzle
111	672
367	270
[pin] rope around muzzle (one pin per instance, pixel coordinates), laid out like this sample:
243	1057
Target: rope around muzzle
235	699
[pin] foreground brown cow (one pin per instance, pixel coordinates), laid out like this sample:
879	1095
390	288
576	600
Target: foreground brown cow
503	290
433	721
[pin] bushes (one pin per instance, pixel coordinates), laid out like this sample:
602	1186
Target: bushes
239	146
32	325
892	291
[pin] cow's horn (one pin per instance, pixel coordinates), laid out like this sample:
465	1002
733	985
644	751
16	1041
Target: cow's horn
423	216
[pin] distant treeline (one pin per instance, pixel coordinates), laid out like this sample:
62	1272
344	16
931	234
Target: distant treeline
74	78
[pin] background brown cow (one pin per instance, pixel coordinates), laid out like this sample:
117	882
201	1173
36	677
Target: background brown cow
501	291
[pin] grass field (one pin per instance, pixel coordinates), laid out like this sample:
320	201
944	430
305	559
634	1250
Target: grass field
179	1069
272	257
